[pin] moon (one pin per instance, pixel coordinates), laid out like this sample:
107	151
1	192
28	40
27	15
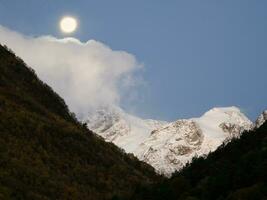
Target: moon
68	24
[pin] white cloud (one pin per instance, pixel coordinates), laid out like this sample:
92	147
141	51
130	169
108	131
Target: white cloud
86	75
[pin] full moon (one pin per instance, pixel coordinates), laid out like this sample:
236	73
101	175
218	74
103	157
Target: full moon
68	24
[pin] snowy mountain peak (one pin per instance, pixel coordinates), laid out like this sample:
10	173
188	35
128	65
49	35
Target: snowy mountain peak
229	120
169	146
224	114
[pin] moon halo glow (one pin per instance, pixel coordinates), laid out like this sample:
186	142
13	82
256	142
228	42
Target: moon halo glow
68	24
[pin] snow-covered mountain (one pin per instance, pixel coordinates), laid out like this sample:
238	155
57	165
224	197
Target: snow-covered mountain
121	128
168	146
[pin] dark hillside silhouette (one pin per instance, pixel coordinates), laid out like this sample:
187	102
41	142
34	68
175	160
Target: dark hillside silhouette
45	153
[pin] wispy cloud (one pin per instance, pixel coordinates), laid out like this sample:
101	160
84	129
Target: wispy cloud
86	75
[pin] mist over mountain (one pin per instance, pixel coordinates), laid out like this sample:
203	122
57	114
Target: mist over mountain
86	74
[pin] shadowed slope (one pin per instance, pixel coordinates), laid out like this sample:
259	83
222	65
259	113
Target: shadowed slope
46	154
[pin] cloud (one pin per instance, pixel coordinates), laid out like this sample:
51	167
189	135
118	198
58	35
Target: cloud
86	75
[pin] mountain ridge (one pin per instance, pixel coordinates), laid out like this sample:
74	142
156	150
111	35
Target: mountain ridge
164	145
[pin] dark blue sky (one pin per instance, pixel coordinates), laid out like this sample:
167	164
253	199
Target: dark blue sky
197	54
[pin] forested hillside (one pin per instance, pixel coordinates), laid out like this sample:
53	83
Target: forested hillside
46	154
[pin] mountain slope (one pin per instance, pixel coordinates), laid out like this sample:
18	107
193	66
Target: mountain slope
169	146
121	128
235	171
46	154
261	119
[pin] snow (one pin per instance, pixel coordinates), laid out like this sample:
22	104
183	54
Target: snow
130	131
168	146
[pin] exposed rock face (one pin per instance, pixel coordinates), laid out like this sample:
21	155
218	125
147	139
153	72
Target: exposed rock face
261	119
169	146
233	130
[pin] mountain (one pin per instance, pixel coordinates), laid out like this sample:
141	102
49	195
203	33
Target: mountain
121	128
169	146
261	119
235	171
45	153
